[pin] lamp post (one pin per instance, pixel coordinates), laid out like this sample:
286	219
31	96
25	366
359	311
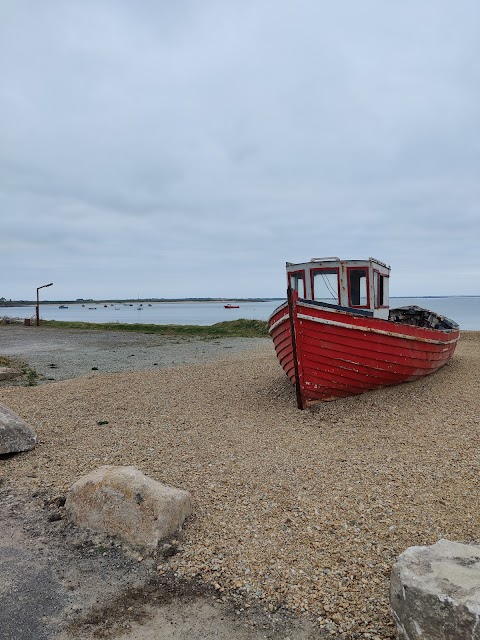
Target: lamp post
38	301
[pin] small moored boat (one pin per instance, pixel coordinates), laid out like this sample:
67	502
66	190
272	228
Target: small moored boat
231	306
63	306
353	342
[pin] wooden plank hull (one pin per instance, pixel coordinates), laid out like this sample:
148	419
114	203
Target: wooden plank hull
336	353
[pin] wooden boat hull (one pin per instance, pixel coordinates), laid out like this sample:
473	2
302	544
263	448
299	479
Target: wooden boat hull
328	353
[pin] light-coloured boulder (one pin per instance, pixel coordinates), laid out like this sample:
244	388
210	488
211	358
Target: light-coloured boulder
122	501
7	373
435	592
15	434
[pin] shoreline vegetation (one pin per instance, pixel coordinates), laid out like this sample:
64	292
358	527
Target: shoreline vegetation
229	329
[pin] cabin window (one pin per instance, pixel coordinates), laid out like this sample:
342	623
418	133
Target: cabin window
381	290
383	298
297	282
325	285
357	287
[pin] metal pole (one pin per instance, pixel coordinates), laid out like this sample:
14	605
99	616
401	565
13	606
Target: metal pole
38	301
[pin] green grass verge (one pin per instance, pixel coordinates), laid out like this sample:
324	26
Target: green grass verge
228	329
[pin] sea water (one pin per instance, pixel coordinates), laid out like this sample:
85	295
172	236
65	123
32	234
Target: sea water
465	310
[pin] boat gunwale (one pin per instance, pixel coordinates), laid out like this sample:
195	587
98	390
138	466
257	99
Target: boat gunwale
383	332
315	304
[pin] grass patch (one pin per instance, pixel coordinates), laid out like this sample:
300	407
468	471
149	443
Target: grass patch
31	375
227	329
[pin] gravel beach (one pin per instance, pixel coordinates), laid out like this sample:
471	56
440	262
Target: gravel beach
303	512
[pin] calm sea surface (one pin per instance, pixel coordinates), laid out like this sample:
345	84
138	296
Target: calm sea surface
463	310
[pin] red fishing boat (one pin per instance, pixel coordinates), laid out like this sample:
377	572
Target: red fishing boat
231	306
336	335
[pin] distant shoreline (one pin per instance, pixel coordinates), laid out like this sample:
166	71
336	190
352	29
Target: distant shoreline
30	303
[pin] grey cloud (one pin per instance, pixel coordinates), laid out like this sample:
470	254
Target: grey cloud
238	135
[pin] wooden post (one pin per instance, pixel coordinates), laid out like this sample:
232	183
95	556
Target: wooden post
292	296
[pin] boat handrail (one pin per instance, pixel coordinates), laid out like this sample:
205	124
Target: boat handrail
325	259
379	262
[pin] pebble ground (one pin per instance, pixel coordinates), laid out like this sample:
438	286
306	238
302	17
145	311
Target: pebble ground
299	510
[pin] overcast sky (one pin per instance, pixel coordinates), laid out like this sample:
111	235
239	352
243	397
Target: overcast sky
191	148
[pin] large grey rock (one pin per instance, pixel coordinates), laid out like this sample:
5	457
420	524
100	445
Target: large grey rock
435	592
123	501
15	434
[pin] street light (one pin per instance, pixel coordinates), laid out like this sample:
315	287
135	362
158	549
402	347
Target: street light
38	301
